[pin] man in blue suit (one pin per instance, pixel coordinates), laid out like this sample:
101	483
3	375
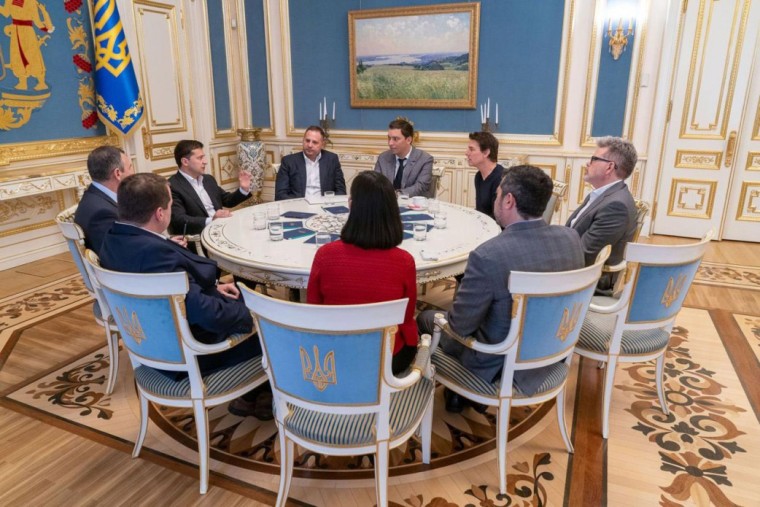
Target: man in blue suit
97	211
312	172
135	244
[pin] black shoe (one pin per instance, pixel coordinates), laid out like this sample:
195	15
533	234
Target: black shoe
454	403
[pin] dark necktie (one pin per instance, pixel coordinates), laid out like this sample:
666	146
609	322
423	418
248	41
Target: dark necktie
399	174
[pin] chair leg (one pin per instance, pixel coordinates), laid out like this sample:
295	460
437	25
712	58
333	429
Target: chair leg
201	429
112	339
502	434
381	473
609	378
287	450
561	420
143	424
660	383
426	431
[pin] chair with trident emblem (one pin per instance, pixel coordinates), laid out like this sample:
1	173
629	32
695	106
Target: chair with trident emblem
547	313
149	309
334	392
636	327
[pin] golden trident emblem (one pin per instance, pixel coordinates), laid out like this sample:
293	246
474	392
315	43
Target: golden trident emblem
673	290
131	325
111	54
569	321
322	376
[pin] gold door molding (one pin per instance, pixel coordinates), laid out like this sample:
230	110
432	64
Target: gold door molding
692	198
713	69
749	202
695	159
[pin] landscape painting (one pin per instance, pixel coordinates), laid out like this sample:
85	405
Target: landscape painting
414	57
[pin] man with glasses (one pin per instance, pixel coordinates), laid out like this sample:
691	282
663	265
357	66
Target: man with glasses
608	215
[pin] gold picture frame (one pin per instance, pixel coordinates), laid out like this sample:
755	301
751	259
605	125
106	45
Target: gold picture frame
441	73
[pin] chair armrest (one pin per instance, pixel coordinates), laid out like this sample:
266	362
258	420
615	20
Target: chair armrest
214	348
470	342
418	369
614	268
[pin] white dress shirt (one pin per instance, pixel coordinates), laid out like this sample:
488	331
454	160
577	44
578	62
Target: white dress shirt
197	185
313	187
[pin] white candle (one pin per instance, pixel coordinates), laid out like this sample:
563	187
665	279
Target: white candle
488	108
320	110
324	99
497	113
482	113
333	110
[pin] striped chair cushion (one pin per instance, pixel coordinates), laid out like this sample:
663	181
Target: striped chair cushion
217	383
546	377
358	429
597	331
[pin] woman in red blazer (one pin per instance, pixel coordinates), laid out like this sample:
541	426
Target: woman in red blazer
366	265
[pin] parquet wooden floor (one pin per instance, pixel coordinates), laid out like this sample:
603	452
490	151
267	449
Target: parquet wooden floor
41	463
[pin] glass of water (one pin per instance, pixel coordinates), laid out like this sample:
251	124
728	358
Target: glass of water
440	220
259	220
433	206
420	232
273	212
329	197
322	238
275	231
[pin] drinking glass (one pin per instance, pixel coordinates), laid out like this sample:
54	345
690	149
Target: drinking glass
433	206
420	232
275	231
322	238
440	220
259	220
273	212
329	197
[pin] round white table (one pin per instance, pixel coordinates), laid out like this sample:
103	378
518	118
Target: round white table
250	254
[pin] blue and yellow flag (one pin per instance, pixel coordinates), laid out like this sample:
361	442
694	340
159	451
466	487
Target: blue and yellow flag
119	101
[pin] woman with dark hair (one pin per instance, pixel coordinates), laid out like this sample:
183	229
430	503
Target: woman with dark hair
366	265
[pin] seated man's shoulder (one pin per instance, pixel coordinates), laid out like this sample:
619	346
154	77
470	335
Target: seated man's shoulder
423	155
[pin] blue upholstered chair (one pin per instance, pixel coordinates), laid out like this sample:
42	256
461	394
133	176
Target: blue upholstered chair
547	312
334	393
75	241
636	326
150	312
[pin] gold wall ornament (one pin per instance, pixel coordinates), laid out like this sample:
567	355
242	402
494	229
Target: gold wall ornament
619	39
320	376
673	290
569	321
131	325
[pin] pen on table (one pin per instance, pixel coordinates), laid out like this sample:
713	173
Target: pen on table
184	231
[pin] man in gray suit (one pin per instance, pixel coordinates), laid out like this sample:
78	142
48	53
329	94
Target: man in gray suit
608	215
409	169
482	307
312	172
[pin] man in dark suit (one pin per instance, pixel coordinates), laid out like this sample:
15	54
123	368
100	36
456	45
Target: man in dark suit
96	212
135	245
409	169
482	307
198	198
608	215
312	172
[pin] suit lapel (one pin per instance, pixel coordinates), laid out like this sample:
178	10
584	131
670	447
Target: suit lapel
322	172
102	195
184	187
598	202
210	187
409	167
301	166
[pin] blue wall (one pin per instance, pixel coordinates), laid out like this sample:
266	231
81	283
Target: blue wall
612	81
519	65
219	66
61	115
257	63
